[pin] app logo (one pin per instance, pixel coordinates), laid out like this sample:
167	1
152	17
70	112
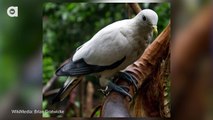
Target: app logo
12	11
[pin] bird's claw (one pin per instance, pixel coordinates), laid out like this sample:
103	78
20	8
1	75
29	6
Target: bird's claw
129	78
120	89
105	91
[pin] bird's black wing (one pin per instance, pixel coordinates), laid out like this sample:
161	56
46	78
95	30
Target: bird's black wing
80	67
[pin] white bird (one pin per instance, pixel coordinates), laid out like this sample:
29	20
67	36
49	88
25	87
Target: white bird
109	51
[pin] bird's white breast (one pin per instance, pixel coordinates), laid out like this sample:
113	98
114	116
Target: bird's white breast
112	43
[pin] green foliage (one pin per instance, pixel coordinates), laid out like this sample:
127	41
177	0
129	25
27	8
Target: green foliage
48	68
98	113
44	106
163	12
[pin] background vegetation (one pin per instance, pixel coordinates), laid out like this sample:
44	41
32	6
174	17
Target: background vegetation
67	26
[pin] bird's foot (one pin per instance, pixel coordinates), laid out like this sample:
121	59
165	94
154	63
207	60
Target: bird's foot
129	78
123	90
105	91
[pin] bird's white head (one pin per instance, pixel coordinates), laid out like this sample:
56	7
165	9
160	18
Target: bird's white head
147	18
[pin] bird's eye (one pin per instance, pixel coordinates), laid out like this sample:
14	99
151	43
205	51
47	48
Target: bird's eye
144	18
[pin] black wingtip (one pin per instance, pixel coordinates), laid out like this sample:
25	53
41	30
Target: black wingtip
60	72
63	70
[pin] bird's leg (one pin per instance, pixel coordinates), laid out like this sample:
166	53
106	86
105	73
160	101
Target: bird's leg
104	83
129	78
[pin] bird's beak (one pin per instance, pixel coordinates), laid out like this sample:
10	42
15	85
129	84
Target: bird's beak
155	29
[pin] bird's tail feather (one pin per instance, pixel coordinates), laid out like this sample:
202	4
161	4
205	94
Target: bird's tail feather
68	86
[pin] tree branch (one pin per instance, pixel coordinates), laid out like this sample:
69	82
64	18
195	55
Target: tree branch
51	81
49	84
135	7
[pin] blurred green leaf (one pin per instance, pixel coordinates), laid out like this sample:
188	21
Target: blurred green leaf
44	104
45	114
